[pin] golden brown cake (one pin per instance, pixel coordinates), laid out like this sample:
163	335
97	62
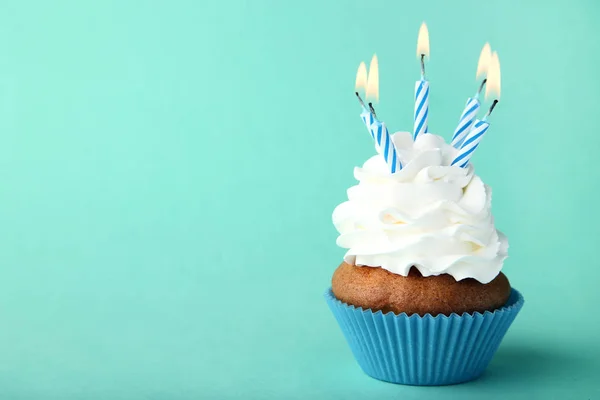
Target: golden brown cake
377	289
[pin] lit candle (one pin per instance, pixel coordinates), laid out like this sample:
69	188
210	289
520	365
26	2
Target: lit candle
383	141
386	146
472	106
480	127
422	86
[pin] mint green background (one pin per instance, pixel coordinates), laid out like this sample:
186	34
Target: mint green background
168	172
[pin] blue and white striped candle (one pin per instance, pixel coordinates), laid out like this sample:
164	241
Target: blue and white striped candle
421	108
480	127
368	120
422	86
471	142
465	121
385	145
383	141
472	107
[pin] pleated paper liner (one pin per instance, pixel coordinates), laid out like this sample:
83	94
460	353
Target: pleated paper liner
415	350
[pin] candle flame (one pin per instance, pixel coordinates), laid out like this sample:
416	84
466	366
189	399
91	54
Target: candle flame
493	78
423	41
373	80
484	61
361	78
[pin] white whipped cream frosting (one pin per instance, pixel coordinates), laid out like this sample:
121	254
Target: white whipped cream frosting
429	215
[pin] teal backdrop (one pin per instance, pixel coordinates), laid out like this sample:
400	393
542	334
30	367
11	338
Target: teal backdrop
168	171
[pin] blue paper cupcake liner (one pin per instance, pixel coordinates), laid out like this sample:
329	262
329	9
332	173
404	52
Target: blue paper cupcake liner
415	350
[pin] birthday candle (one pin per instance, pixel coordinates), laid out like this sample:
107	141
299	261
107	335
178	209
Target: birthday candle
383	141
465	122
421	108
370	123
379	132
386	146
480	127
368	120
472	106
422	86
471	142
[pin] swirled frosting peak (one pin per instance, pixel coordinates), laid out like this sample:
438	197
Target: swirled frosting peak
429	215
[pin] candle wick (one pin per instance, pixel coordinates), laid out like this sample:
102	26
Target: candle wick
372	110
422	66
483	82
491	109
360	100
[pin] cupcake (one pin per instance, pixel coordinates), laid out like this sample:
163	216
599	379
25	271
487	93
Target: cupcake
420	296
